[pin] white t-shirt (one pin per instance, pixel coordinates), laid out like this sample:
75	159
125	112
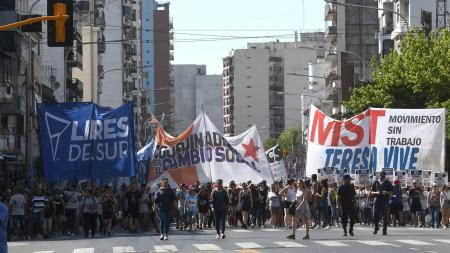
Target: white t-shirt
73	202
423	200
405	202
445	195
17	204
290	195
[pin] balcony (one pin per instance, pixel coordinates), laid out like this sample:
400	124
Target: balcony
171	47
171	57
6	93
170	36
330	12
84	6
127	11
331	56
74	59
170	23
101	45
126	22
99	3
331	34
99	19
127	3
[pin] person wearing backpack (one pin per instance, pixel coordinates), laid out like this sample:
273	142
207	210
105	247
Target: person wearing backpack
89	206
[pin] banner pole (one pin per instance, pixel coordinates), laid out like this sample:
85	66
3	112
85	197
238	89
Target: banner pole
209	161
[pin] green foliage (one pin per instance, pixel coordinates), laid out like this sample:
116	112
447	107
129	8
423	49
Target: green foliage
290	140
269	143
418	76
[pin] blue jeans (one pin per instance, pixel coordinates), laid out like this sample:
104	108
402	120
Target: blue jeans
435	210
335	213
164	221
220	221
261	213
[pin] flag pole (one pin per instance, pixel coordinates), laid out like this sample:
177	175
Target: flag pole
209	162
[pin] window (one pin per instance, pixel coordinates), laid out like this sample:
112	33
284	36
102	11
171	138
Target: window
249	86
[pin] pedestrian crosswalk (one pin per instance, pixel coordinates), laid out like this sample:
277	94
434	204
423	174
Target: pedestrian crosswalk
249	245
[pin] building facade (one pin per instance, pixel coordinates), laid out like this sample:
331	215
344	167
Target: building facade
349	29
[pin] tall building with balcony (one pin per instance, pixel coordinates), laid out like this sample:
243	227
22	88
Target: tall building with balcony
413	13
89	74
264	83
351	29
156	54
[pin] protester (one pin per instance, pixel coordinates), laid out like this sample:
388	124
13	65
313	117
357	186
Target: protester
219	205
71	198
164	201
406	203
203	207
332	194
17	206
301	209
261	204
3	224
191	206
245	204
180	213
445	205
132	197
346	201
395	204
89	205
415	193
322	204
381	191
38	203
434	198
274	203
143	208
233	193
108	201
289	194
59	224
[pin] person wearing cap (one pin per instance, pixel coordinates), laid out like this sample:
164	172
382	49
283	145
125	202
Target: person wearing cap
415	193
395	204
203	207
435	205
382	189
165	200
245	204
346	202
445	204
219	205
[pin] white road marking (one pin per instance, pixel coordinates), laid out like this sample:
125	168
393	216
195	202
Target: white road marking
414	242
84	250
13	244
207	247
123	249
242	231
414	249
165	248
47	251
271	229
248	245
442	240
377	243
290	244
332	243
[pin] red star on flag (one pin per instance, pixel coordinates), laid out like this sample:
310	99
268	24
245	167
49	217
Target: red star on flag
251	150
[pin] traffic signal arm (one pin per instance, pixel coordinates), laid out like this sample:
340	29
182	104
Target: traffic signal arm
60	18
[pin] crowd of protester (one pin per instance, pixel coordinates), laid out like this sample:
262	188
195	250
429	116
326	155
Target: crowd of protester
312	203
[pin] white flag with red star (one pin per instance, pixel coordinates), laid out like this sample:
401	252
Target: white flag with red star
201	153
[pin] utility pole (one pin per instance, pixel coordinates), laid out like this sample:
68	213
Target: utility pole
28	103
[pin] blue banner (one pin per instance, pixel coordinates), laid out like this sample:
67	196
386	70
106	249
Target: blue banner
84	140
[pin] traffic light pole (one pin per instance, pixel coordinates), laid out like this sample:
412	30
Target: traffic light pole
33	20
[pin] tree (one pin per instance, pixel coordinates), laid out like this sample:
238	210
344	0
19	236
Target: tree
418	76
270	143
290	140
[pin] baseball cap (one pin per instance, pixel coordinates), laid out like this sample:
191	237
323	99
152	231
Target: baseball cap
397	181
347	177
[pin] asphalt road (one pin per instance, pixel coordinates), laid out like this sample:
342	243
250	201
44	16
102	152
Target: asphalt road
423	240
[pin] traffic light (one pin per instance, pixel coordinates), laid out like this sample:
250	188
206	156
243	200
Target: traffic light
60	32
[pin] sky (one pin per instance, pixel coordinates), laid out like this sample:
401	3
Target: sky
207	30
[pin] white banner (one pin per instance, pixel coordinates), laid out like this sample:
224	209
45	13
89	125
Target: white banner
403	139
276	163
201	153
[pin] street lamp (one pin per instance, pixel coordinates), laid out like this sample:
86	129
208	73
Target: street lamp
373	8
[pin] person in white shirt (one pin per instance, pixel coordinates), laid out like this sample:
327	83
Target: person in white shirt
17	205
445	205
